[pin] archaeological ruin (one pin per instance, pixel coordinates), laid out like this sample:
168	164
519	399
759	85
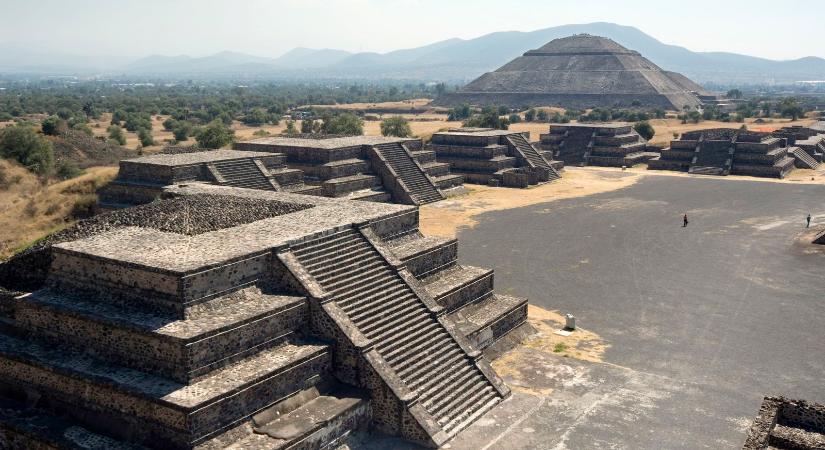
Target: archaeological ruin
494	157
220	316
811	140
725	151
787	424
364	167
604	144
581	71
356	168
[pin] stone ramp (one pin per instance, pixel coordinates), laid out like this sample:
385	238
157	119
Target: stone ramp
243	173
713	158
531	155
444	376
802	159
420	188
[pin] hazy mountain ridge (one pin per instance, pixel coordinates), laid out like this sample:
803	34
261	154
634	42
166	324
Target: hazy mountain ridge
462	60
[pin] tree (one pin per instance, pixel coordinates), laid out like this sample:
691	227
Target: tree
290	128
440	88
514	118
541	115
791	108
530	115
255	118
396	126
460	112
145	137
215	135
53	126
170	124
645	129
734	93
83	128
116	134
23	144
307	126
182	131
488	118
345	123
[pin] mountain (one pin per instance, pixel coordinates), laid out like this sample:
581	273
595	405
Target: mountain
452	60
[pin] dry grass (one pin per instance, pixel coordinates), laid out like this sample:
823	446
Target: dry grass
30	210
417	103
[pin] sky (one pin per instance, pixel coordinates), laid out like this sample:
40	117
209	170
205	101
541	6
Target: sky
771	29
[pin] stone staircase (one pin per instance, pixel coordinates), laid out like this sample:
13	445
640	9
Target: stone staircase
567	151
420	187
803	159
531	155
243	173
713	157
443	375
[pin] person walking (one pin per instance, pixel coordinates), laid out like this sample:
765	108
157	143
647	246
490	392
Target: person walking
684	221
808	219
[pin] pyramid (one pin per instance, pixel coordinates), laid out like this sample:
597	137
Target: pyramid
581	71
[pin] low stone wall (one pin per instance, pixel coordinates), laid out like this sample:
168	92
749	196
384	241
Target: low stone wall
490	151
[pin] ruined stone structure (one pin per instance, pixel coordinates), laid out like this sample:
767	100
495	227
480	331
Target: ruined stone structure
495	157
581	71
605	144
244	318
726	151
807	139
364	167
787	424
141	180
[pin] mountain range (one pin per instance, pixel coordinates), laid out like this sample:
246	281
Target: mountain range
452	60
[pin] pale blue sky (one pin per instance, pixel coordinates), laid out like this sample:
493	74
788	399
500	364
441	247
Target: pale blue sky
773	29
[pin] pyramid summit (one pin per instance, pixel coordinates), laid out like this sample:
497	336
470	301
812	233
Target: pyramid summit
581	71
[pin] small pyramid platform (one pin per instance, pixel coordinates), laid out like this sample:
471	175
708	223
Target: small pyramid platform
581	71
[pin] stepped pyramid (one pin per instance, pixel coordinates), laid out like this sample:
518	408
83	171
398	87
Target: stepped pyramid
581	71
226	317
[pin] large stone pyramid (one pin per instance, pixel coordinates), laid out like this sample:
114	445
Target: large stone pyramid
581	71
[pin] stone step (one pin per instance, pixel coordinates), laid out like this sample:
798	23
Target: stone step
444	356
481	406
425	255
346	268
485	321
339	187
346	293
24	427
459	285
457	391
414	353
370	195
411	313
448	181
157	411
353	281
424	156
390	335
389	303
181	350
441	377
343	251
366	297
414	178
323	422
304	248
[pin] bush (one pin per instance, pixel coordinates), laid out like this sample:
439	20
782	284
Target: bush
514	118
145	137
67	169
82	127
345	123
116	134
84	207
23	144
53	126
170	124
290	128
215	135
396	126
460	112
645	130
488	118
541	115
182	131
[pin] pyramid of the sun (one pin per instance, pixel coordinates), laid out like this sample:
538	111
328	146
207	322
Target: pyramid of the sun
581	71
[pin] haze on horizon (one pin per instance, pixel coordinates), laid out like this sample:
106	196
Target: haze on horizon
131	30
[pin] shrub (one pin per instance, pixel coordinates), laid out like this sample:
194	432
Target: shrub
145	137
23	144
215	135
67	169
84	207
345	123
396	126
645	130
53	126
514	118
116	134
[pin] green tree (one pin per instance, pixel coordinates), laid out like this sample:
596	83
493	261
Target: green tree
53	126
215	135
514	118
170	124
290	128
345	123
23	144
396	126
145	137
488	118
83	128
530	115
256	117
645	129
182	131
791	108
734	93
116	134
460	112
541	115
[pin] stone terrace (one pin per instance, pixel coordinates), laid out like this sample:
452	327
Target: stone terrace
141	180
787	424
605	144
364	167
494	157
287	328
727	151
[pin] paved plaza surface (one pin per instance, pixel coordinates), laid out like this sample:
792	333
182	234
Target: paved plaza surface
701	321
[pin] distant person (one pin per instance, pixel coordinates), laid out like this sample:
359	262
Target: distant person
808	220
684	221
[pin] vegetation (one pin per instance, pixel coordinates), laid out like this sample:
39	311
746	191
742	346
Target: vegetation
53	125
489	118
215	135
396	126
559	347
116	134
23	144
345	123
460	112
645	129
